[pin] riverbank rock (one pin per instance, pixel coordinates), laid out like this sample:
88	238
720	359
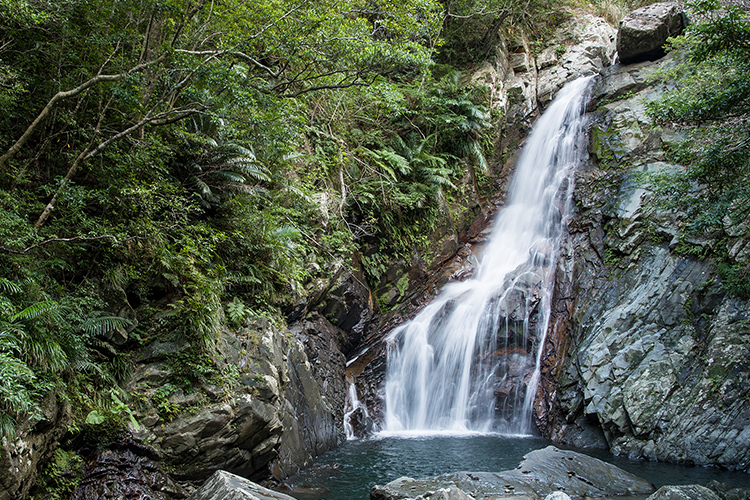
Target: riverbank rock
540	473
226	486
644	31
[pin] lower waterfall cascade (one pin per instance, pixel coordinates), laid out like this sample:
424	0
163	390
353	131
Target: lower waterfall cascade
469	361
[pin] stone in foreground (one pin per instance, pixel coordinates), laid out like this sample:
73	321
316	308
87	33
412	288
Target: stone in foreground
644	31
227	486
684	492
540	473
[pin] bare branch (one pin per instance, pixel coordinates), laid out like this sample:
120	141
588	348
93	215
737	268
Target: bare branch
56	240
237	54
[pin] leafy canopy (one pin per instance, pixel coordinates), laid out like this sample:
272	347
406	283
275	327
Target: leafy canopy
712	104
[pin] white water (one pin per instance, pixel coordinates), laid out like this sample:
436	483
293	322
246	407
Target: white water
351	405
463	363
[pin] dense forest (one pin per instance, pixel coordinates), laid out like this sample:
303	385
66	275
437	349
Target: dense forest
170	167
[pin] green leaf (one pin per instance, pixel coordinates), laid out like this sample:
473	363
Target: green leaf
95	417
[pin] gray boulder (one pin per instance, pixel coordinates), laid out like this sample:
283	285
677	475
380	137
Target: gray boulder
226	486
644	31
446	494
684	492
540	473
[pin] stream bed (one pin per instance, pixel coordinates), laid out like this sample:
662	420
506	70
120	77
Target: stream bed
349	472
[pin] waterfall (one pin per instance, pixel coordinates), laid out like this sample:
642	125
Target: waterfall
469	361
351	406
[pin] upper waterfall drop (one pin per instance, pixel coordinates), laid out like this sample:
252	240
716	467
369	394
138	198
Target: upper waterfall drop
469	361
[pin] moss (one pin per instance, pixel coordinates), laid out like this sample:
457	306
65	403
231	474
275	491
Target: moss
402	285
605	146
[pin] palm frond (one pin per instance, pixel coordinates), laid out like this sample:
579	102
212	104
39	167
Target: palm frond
7	426
232	177
478	154
10	336
45	351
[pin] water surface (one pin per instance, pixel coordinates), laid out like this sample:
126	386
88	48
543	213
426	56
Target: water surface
351	470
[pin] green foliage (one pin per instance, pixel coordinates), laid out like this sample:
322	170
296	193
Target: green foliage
393	163
59	478
473	28
736	279
166	409
188	164
39	341
712	99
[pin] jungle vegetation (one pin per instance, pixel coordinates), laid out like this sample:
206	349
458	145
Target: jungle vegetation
710	107
171	166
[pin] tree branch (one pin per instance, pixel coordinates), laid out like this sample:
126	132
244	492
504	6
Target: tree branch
56	240
237	54
64	95
163	118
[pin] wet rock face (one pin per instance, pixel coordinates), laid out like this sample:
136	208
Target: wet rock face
540	472
125	472
645	353
644	32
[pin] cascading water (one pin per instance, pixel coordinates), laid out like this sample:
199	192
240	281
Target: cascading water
351	407
467	361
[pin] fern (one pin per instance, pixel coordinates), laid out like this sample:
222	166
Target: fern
103	325
48	308
237	311
8	286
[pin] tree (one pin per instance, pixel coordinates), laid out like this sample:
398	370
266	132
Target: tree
152	63
473	28
712	103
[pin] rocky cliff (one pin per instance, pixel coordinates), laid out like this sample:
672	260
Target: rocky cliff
646	354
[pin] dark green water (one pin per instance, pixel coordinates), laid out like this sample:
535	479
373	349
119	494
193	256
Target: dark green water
351	470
